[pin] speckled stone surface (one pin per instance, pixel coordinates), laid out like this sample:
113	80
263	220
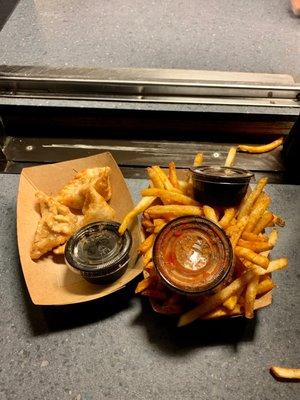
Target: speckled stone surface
117	348
252	36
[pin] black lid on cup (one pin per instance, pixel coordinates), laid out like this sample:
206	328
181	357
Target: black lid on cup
98	249
216	173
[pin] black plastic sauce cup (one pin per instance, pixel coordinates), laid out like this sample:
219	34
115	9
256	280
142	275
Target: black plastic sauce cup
98	252
224	186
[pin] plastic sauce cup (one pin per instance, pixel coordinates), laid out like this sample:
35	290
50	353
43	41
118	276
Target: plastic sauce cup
193	256
98	252
224	186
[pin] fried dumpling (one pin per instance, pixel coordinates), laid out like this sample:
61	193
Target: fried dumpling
56	225
95	208
73	194
102	184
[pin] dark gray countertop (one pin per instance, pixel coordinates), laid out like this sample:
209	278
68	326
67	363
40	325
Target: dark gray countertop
252	36
256	36
117	348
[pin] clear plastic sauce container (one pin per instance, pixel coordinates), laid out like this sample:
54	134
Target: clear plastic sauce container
98	252
193	255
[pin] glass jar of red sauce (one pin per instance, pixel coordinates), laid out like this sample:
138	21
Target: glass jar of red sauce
193	256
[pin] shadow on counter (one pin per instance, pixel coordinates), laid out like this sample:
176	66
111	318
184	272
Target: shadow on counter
47	319
164	334
161	330
6	9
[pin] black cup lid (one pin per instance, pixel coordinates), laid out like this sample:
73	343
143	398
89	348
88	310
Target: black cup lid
98	247
217	173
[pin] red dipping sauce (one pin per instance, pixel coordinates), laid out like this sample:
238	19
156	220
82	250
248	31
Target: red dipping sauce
193	255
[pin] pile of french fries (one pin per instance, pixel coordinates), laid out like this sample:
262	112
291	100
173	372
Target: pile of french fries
169	197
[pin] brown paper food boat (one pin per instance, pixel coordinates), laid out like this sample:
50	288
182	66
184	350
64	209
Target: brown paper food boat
49	280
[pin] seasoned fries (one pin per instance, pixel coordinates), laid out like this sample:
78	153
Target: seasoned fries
250	296
229	214
265	285
173	175
259	208
247	227
286	373
210	213
255	246
249	201
172	211
216	300
261	149
147	243
236	231
253	237
155	178
263	222
198	160
230	157
250	255
169	197
139	208
165	180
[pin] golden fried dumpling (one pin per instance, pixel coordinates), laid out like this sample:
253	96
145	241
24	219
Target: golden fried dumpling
95	208
56	225
102	184
73	194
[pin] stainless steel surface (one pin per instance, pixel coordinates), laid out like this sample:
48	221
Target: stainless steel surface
134	153
166	86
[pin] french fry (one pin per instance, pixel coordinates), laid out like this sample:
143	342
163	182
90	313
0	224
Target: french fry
198	160
250	296
276	265
183	186
273	237
155	178
250	255
159	221
229	214
278	221
250	200
252	237
144	284
165	180
259	207
147	256
265	286
261	149
286	373
173	175
149	267
263	222
169	211
147	243
158	228
148	225
230	157
210	214
258	247
231	302
236	231
144	203
223	312
169	196
233	222
215	300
